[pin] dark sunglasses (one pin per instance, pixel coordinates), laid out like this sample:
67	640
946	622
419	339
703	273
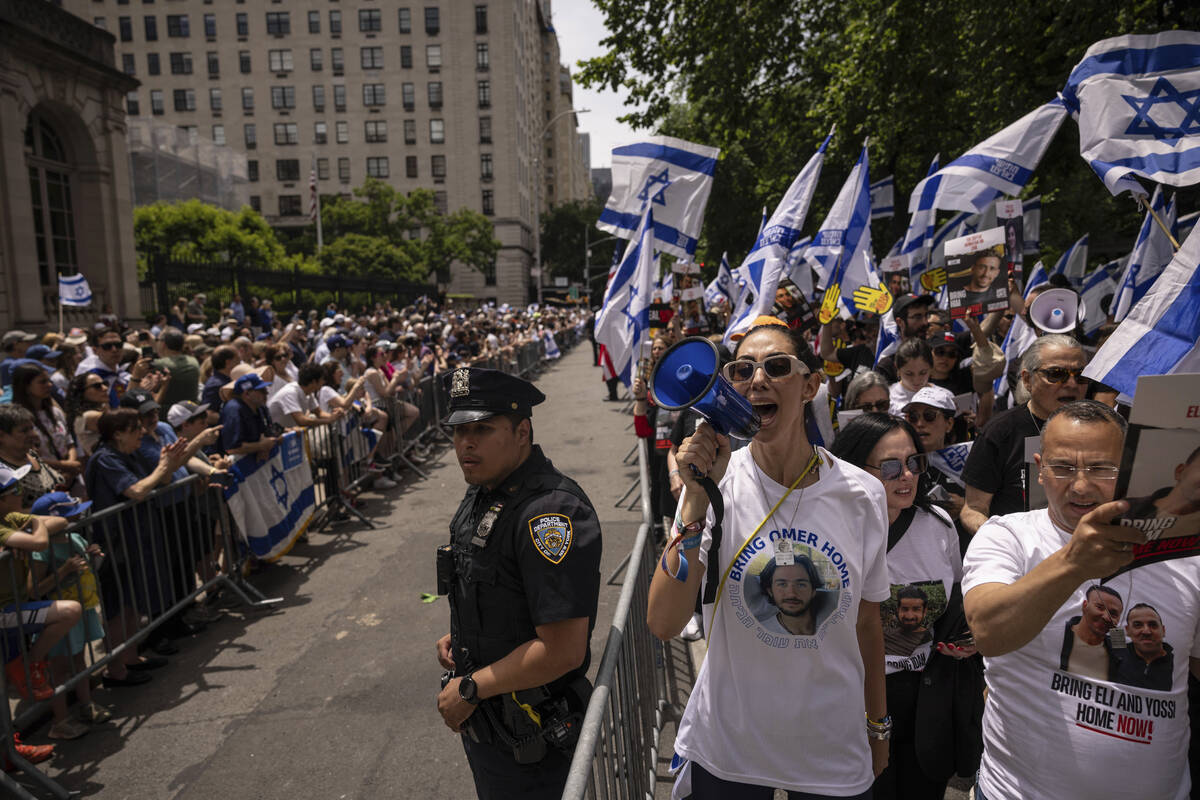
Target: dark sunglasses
778	366
880	407
1060	375
929	415
892	468
110	346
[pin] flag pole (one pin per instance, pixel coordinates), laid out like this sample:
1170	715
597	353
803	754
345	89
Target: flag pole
1142	199
60	305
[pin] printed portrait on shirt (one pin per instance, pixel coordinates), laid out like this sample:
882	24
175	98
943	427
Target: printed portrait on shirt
792	590
908	617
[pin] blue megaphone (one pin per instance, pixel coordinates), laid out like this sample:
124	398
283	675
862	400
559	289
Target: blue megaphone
689	376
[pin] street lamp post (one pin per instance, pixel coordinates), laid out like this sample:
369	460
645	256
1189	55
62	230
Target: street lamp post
537	195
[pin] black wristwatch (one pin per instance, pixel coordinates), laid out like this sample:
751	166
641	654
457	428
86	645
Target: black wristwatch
468	691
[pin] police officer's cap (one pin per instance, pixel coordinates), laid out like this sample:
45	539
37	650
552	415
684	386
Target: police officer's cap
477	394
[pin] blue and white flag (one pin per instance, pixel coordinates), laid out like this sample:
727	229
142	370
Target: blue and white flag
721	286
888	338
950	461
762	223
624	319
1073	263
883	198
666	289
797	270
764	265
1031	224
670	175
1183	225
272	501
1095	288
1018	339
918	239
1134	98
552	351
841	248
1000	165
1161	335
1151	253
1037	276
73	290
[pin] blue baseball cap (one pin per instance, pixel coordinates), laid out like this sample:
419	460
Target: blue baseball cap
60	504
336	341
249	382
41	351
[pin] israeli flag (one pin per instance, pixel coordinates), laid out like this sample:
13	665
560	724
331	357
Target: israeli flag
1095	288
883	198
1000	165
888	338
1151	253
918	239
1018	339
1161	335
764	264
796	269
1037	276
671	176
1031	224
1073	262
624	319
1183	226
552	351
1134	98
951	460
272	501
666	288
721	286
73	290
841	249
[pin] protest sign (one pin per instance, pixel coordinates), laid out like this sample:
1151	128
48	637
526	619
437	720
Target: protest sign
973	273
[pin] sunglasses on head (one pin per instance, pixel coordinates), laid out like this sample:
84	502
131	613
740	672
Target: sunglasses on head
775	367
880	406
1060	374
928	414
892	468
110	346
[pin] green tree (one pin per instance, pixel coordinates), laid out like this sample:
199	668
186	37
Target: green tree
563	232
196	230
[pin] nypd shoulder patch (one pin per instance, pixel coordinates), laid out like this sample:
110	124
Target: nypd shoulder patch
552	535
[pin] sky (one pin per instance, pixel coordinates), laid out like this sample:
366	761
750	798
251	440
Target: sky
580	27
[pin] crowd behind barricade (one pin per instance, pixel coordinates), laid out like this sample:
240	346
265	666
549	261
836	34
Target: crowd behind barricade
117	445
890	505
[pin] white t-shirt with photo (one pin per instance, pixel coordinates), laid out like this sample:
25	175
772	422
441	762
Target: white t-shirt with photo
1052	735
290	399
776	709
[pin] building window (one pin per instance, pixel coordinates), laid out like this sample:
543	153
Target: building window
485	130
210	25
244	61
410	166
177	26
156	102
370	20
405	20
481	19
256	203
336	60
283	97
482	58
377	167
408	94
440	202
433	23
247	98
53	212
318	98
125	28
484	93
437	131
287	169
218	135
214	99
278	23
152	65
287	133
344	169
279	60
315	59
406	56
243	25
322	169
485	166
339	98
251	136
314	22
437	167
185	99
128	64
100	23
181	63
371	57
410	131
433	56
376	131
435	94
151	29
214	64
320	133
335	23
373	94
489	204
252	170
132	107
342	130
290	206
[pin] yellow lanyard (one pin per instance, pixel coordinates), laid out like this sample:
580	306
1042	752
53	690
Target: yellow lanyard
812	462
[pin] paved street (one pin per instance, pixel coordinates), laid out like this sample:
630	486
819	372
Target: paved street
332	696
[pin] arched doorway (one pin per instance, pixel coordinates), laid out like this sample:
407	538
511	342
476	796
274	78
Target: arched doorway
51	169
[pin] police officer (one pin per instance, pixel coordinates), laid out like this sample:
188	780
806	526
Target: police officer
523	574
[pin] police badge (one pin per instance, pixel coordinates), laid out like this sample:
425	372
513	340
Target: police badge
460	383
551	535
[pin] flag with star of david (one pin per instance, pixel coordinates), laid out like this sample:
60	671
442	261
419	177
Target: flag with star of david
841	249
1151	253
272	501
73	290
624	319
672	176
722	286
1137	101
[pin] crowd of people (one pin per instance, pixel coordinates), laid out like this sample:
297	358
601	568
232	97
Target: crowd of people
898	535
96	418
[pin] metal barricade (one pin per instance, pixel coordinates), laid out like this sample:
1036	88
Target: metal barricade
617	752
334	480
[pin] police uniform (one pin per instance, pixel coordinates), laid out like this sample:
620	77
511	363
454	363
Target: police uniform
524	554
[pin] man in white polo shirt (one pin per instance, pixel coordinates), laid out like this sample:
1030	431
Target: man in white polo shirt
1050	733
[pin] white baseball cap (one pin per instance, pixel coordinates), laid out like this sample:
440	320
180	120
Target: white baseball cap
933	396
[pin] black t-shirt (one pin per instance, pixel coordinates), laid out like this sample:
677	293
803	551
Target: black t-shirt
856	357
957	382
997	460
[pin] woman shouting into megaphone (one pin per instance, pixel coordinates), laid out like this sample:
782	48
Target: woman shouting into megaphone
787	543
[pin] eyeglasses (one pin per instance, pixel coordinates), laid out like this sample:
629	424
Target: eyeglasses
776	367
1060	374
880	406
1067	472
929	415
110	346
892	468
